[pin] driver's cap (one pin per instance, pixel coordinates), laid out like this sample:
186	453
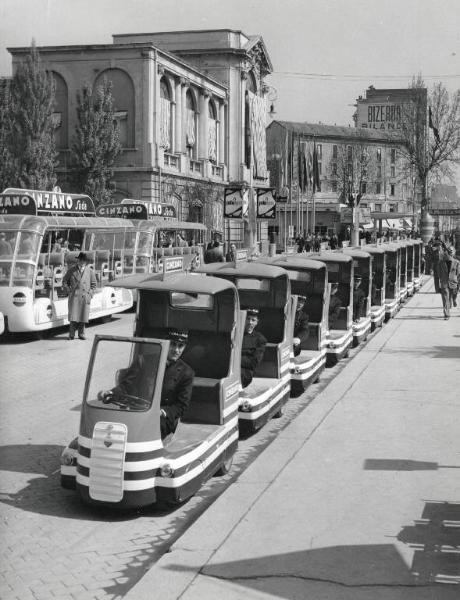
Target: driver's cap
177	335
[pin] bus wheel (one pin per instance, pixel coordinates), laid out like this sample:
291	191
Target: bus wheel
224	467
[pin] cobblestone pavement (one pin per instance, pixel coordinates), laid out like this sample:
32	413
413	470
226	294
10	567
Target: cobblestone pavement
53	546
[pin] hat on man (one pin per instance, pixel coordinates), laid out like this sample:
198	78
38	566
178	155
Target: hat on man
176	335
253	312
358	277
82	256
301	298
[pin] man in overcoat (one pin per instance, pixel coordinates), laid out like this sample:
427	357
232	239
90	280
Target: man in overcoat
253	348
80	283
443	269
177	384
301	331
359	299
454	277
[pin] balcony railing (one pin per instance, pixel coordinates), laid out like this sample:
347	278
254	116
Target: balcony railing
217	171
171	161
195	166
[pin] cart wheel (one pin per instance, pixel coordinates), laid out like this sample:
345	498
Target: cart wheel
224	467
278	414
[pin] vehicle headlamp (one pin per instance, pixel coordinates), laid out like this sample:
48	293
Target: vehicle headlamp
166	471
245	406
69	457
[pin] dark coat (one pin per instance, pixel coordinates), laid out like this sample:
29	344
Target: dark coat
176	390
81	285
252	353
175	394
301	329
442	269
454	274
359	299
335	304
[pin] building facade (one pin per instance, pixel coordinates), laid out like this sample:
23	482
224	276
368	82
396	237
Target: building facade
180	100
384	184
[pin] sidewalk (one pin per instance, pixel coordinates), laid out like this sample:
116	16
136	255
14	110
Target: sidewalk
357	499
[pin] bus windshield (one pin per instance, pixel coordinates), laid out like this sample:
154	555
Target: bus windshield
18	256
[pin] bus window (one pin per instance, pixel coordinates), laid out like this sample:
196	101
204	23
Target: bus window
130	239
7	243
142	264
144	243
28	245
5	273
23	274
75	239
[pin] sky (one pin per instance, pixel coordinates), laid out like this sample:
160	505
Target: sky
325	53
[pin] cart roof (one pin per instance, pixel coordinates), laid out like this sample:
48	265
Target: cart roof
243	269
289	261
177	282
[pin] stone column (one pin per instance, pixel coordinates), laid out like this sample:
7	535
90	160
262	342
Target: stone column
222	132
178	143
203	137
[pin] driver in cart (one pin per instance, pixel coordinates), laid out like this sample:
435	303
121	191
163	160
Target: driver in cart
177	383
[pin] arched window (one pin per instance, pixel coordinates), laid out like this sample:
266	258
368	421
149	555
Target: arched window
123	103
190	124
251	83
165	115
61	113
212	132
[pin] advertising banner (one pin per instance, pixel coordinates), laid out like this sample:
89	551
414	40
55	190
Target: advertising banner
236	203
154	209
266	204
17	204
123	211
57	201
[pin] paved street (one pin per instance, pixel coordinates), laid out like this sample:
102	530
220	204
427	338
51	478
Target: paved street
52	545
354	493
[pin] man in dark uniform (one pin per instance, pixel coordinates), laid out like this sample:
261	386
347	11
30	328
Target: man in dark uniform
177	383
335	305
301	331
359	299
253	348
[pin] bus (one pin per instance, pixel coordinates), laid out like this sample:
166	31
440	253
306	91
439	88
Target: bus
39	240
157	233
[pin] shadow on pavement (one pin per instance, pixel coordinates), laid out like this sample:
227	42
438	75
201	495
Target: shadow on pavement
402	464
360	572
435	538
433	352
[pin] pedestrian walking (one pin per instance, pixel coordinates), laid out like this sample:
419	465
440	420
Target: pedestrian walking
454	277
80	283
443	269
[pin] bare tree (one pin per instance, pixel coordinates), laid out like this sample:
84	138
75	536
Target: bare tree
430	130
354	169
